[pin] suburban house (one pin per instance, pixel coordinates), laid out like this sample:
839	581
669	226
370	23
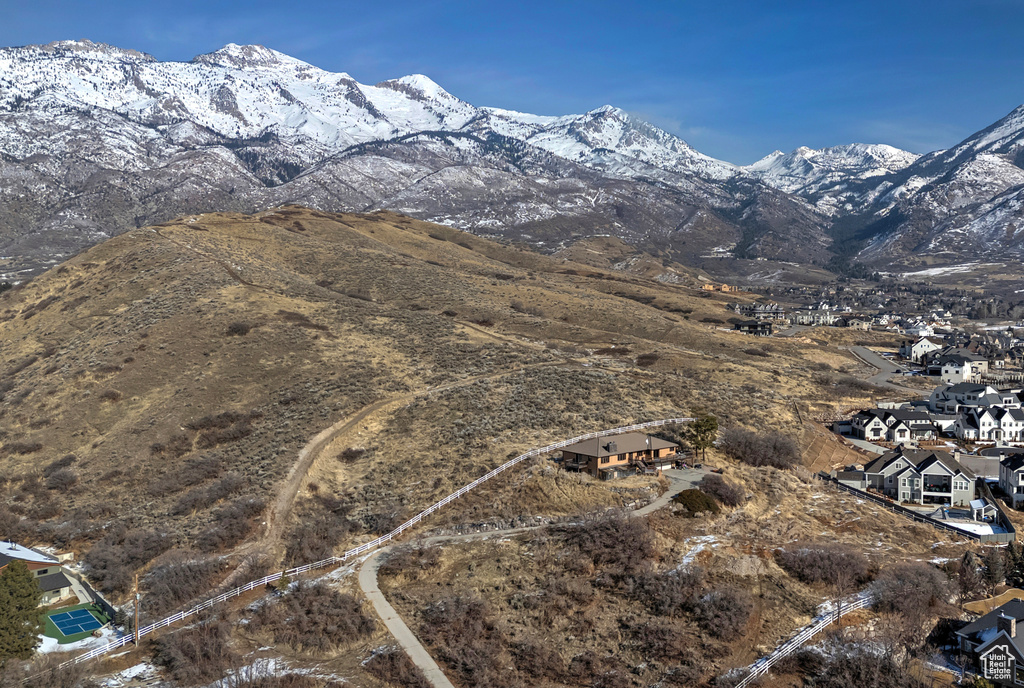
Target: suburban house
899	425
991	424
915	476
960	368
993	644
962	396
613	456
1011	477
915	350
51	576
760	328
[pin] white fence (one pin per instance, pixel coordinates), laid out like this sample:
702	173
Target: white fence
361	549
761	666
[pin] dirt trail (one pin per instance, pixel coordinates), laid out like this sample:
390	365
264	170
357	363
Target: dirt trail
277	517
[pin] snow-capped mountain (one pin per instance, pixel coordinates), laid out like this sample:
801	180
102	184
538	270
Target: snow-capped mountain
95	140
958	203
825	175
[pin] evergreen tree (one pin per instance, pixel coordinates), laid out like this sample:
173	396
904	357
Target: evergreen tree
702	433
20	625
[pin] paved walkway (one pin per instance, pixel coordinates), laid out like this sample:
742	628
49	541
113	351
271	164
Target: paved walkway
678	480
403	634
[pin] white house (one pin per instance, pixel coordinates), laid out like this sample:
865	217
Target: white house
1011	477
916	350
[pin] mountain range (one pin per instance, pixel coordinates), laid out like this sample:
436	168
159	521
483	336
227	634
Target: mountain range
96	140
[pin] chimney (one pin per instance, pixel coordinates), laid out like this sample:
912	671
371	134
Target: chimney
612	447
1008	624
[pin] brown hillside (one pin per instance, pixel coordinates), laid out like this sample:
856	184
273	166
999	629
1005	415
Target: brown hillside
169	377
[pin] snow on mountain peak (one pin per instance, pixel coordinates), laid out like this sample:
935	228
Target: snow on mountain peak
83	49
247	56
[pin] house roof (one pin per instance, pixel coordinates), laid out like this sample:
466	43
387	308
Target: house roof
10	551
625	443
921	459
54	581
1014	608
966	388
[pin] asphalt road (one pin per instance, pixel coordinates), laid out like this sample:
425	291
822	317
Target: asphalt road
886	369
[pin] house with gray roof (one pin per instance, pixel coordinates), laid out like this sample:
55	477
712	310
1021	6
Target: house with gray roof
915	476
995	644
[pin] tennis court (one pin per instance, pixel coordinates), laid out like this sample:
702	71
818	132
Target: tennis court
76	621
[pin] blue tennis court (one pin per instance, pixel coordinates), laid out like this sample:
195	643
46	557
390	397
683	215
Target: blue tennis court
77	621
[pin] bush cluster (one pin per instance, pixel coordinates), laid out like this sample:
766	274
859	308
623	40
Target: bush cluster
824	563
172	584
394	667
112	561
313	617
198	654
231	524
203	497
725	492
467	639
760	449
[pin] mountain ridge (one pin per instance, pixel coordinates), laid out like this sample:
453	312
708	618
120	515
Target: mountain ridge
96	139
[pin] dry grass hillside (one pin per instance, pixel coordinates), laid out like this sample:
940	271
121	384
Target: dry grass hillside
159	391
166	380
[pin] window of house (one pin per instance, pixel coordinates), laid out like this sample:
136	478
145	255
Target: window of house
606	459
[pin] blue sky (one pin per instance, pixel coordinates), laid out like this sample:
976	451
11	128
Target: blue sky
735	79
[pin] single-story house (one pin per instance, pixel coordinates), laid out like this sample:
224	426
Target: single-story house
612	456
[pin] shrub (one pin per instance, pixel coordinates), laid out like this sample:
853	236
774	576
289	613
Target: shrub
723	613
910	588
411	560
60	463
198	654
647	360
759	449
22	447
313	617
232	524
181	580
618	546
239	329
725	492
538	661
696	502
352	453
823	563
393	666
466	638
111	395
62	480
